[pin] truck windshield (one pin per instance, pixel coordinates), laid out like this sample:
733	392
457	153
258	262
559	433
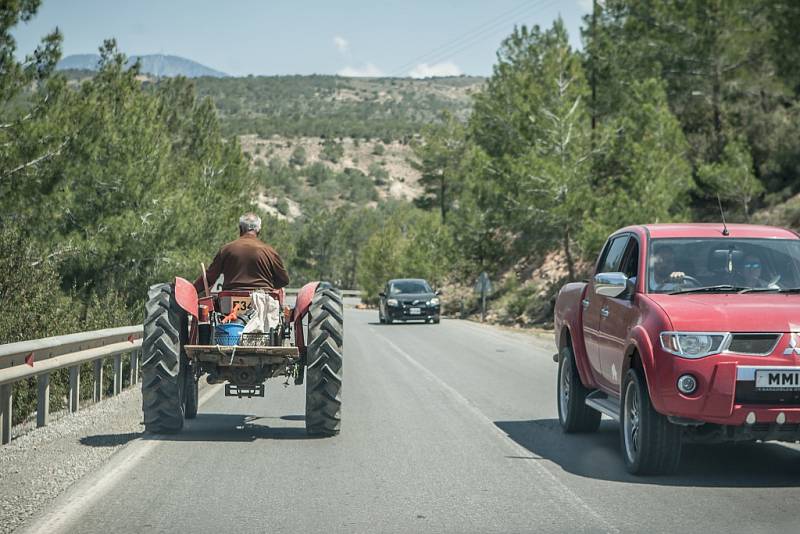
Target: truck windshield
723	264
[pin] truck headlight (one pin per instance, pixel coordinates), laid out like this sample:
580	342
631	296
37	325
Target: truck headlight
433	302
693	344
391	302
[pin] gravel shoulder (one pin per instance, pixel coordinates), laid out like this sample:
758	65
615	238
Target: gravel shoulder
38	466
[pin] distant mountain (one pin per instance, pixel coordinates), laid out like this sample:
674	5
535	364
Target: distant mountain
153	64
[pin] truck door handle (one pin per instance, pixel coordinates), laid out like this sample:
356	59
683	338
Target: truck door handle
604	312
585	303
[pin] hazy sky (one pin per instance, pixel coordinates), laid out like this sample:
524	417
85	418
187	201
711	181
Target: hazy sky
349	37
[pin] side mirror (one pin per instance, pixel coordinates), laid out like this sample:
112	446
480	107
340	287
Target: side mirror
381	294
437	292
610	284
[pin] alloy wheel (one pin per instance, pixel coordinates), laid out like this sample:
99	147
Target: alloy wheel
631	421
563	396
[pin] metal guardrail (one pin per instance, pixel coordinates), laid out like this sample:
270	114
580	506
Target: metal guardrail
40	357
344	292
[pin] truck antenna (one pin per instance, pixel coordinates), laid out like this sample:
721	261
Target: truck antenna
725	231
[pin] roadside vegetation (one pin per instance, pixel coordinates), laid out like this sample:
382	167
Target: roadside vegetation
669	106
332	106
105	188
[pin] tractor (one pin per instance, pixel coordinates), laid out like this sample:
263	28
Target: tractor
187	336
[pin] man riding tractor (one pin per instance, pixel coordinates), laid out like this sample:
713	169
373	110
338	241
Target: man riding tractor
241	336
246	263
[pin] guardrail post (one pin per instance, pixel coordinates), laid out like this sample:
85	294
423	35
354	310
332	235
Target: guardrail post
5	413
134	367
43	400
117	374
98	380
74	388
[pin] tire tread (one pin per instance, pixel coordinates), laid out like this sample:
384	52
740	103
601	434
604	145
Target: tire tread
162	381
324	364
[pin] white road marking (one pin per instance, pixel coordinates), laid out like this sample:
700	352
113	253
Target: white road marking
88	490
519	450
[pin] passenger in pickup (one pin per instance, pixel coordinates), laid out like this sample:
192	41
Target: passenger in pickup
750	273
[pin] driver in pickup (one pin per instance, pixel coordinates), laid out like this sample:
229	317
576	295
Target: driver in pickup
663	275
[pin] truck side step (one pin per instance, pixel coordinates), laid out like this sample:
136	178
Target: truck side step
234	390
607	405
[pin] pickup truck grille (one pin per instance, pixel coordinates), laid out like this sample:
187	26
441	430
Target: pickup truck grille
746	393
756	344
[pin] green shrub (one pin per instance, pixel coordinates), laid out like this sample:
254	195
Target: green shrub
298	157
378	174
332	151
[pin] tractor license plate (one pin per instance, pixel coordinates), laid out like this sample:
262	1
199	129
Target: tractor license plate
415	311
228	303
785	380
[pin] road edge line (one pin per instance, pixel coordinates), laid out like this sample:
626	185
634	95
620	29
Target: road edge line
78	497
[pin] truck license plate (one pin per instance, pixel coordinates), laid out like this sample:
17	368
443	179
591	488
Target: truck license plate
414	311
778	379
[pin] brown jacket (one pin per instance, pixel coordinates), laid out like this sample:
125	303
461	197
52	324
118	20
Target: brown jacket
247	263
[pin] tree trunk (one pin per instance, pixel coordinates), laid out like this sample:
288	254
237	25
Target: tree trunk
442	203
715	102
716	87
568	255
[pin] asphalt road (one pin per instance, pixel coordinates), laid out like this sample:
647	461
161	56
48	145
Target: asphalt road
446	428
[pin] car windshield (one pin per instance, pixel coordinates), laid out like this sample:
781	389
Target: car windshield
723	265
409	286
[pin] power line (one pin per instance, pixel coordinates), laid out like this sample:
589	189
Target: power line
479	39
462	36
445	49
469	37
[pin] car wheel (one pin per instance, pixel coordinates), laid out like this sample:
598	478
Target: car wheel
573	414
651	445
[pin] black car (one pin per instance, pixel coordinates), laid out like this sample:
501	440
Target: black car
409	299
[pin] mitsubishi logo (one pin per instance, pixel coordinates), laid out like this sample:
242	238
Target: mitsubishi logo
792	348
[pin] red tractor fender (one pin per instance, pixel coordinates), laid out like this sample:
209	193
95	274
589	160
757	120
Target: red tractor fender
186	296
303	303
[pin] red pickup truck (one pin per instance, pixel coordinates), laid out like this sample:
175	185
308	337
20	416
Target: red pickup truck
685	332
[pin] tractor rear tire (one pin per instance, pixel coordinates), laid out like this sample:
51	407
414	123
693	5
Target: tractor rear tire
324	367
163	364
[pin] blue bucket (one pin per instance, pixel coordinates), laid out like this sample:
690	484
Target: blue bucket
228	334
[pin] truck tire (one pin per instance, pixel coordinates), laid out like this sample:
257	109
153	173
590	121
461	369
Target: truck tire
651	445
324	363
163	369
191	396
573	414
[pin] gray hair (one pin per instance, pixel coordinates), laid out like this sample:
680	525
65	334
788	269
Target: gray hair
249	222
